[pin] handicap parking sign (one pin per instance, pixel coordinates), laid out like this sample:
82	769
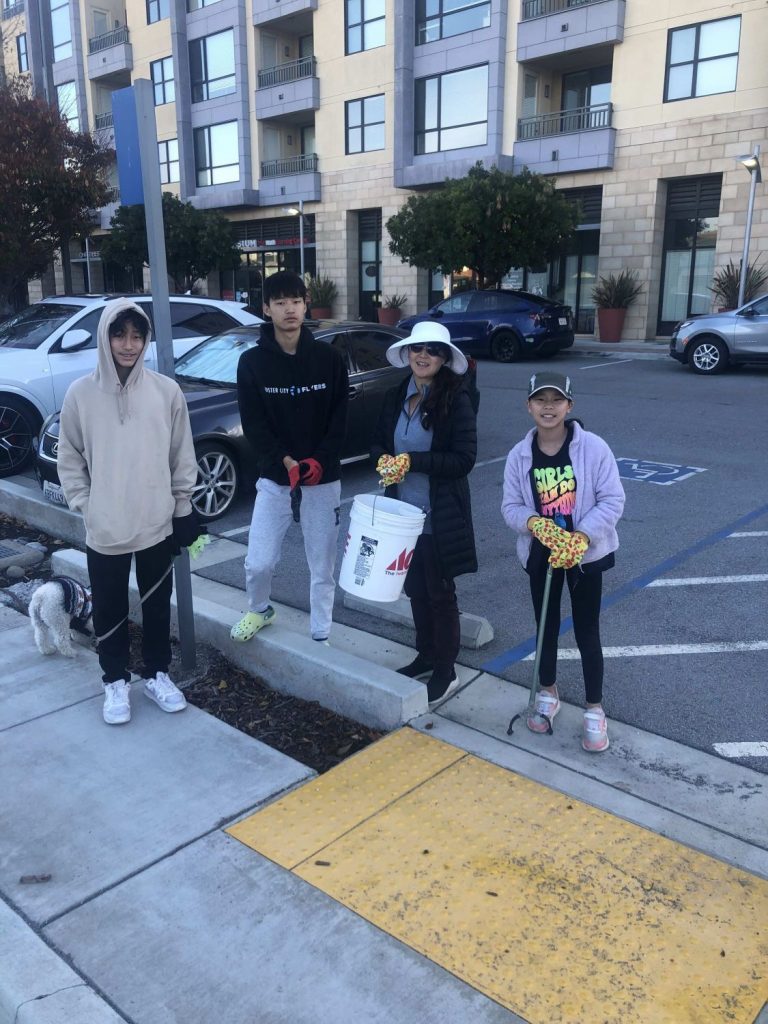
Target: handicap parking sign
655	472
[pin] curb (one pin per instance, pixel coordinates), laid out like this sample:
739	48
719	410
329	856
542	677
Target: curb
476	631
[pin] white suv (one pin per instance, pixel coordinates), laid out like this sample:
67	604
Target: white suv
53	342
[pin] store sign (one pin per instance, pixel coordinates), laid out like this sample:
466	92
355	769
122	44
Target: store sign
250	244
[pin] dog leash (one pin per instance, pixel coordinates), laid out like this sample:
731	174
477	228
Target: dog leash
142	599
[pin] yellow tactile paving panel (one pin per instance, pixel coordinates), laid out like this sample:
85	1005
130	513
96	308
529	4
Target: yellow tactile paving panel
294	828
562	913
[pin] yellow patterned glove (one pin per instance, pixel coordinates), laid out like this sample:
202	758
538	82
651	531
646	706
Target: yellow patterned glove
570	552
196	547
548	533
392	468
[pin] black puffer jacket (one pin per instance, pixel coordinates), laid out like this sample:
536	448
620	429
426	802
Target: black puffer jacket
447	464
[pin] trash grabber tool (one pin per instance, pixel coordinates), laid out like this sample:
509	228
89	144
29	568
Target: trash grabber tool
530	710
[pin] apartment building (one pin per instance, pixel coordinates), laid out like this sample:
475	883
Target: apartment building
344	108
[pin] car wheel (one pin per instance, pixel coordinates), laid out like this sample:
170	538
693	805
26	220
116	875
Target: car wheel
708	355
19	426
217	480
505	347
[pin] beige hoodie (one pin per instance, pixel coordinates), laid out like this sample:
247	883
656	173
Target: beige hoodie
126	459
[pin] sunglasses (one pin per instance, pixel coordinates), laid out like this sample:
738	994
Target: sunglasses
432	350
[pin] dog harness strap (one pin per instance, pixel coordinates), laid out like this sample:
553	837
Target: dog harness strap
149	593
77	599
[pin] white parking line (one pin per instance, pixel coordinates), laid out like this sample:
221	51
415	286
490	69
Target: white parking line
698	581
612	362
662	650
750	533
234	533
742	749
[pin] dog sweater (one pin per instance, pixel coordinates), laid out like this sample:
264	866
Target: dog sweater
77	598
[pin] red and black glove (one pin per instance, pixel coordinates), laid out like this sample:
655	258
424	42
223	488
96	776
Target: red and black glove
294	476
294	479
311	472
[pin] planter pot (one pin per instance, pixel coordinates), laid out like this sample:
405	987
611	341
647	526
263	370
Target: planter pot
320	312
389	316
611	323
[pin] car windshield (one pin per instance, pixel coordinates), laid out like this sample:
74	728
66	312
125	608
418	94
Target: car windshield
33	325
216	359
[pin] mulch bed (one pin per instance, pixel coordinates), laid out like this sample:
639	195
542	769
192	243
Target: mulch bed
301	729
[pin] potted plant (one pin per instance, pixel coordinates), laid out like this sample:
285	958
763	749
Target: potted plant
725	284
612	295
321	294
391	310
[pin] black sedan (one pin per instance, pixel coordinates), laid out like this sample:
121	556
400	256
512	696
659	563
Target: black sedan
208	376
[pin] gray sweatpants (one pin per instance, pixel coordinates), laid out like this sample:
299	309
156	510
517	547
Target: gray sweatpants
320	527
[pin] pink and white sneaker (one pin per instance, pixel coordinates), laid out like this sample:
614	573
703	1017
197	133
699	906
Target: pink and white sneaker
547	706
595	735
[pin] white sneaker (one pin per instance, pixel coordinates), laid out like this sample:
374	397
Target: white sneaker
165	693
117	702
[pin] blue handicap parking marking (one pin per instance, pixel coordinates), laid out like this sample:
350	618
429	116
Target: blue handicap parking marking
655	472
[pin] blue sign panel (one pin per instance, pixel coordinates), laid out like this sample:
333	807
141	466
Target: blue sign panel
655	472
127	147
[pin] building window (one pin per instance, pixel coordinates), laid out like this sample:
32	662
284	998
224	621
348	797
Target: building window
365	124
61	30
157	10
438	19
196	5
162	81
702	59
212	66
66	99
168	154
443	104
21	52
365	24
216	154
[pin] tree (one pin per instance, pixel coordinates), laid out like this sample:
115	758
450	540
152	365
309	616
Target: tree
51	181
488	221
196	241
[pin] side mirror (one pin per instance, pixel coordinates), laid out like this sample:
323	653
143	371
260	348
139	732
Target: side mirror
749	311
436	312
75	339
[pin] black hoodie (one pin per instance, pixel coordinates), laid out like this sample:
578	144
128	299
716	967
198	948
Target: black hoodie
293	404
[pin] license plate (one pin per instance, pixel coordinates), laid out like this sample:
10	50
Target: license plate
563	321
54	493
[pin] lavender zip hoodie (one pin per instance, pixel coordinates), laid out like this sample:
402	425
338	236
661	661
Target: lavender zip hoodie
599	494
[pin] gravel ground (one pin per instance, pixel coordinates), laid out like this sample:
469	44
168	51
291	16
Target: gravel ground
302	729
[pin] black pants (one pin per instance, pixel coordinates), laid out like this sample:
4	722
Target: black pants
109	589
586	590
434	606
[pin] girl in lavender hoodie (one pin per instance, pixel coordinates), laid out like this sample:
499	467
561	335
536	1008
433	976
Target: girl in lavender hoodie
563	496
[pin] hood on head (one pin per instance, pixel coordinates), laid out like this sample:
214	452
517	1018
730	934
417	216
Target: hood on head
106	371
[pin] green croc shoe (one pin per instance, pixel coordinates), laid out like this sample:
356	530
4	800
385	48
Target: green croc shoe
251	623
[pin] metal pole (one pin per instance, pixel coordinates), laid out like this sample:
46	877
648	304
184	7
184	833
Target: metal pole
301	236
161	310
753	175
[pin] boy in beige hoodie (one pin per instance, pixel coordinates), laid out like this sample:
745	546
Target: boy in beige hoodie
126	461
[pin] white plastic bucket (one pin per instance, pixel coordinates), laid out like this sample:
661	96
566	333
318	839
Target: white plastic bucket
380	542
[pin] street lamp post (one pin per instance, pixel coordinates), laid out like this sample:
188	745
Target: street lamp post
752	164
299	211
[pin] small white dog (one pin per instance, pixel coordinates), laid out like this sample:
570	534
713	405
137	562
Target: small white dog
56	606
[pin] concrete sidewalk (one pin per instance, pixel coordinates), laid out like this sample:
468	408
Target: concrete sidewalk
158	911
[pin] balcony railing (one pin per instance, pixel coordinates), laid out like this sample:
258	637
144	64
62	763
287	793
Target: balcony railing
289	165
538	8
563	122
304	67
103	121
107	39
12	10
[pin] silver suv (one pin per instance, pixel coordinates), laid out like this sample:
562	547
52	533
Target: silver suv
53	342
710	344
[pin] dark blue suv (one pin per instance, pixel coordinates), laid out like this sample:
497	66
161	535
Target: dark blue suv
504	324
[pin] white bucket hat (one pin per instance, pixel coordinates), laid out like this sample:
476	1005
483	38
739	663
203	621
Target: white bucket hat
428	332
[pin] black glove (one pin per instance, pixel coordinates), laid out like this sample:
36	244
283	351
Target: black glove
186	530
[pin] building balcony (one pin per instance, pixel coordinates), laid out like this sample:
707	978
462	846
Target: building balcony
567	140
551	27
12	10
289	179
110	54
289	88
266	11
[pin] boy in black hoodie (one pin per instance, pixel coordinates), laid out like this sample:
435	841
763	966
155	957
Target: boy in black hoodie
293	393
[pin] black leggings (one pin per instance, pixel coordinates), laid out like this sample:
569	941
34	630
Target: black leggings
586	590
109	576
434	606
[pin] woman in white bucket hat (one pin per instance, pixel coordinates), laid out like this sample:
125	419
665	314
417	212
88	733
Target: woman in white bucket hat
430	421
